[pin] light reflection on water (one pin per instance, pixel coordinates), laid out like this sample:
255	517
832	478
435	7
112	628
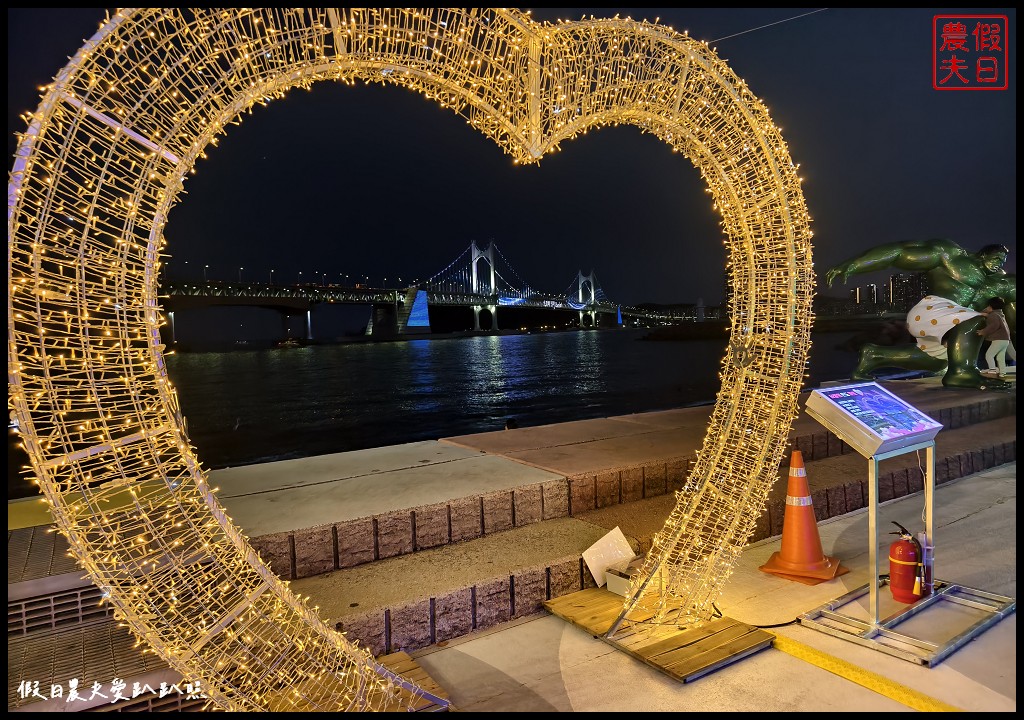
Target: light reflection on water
259	405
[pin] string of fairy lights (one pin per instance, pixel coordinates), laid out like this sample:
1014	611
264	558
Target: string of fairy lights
103	160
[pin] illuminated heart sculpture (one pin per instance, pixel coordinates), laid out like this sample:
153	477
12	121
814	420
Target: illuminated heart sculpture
101	165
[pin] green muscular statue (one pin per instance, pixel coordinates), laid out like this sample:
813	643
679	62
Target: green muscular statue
945	323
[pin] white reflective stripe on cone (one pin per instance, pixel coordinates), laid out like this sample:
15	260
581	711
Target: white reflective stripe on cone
805	500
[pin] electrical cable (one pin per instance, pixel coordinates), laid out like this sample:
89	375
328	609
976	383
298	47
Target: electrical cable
778	22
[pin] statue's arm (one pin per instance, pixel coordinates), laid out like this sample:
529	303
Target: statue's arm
915	256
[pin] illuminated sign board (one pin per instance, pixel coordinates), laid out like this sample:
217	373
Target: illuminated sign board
870	419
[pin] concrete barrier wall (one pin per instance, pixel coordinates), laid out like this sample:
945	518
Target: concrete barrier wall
428	621
317	550
313	551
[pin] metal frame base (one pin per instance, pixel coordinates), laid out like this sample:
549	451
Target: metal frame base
882	636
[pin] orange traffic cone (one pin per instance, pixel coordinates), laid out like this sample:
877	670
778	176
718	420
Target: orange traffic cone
801	557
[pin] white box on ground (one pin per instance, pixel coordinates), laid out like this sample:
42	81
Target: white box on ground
619	575
609	550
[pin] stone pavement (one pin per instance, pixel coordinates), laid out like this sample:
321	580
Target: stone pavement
542	663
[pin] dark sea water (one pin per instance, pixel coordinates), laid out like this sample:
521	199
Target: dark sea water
250	406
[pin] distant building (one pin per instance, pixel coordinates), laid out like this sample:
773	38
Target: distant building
865	294
905	289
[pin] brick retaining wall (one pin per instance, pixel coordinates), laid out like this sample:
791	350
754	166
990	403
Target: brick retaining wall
313	551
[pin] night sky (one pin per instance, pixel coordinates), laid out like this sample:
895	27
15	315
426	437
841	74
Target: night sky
378	182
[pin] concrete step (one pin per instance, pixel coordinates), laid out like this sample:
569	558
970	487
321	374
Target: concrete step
408	602
507	479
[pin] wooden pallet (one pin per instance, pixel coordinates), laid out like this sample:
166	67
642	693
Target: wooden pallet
683	654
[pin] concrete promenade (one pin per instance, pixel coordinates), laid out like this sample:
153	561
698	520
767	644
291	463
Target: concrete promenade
448	550
334	512
543	663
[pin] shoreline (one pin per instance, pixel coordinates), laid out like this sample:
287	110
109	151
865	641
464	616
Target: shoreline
868	327
19	484
370	339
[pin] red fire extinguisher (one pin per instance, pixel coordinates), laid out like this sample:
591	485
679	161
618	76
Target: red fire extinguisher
906	567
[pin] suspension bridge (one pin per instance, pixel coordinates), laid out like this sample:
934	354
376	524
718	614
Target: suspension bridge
478	279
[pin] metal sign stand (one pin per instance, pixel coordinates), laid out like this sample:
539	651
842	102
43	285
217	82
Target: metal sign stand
881	634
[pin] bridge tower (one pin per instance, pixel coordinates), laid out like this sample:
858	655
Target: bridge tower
587	288
287	313
477	255
395	315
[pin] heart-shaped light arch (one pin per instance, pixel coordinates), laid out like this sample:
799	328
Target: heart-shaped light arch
103	162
